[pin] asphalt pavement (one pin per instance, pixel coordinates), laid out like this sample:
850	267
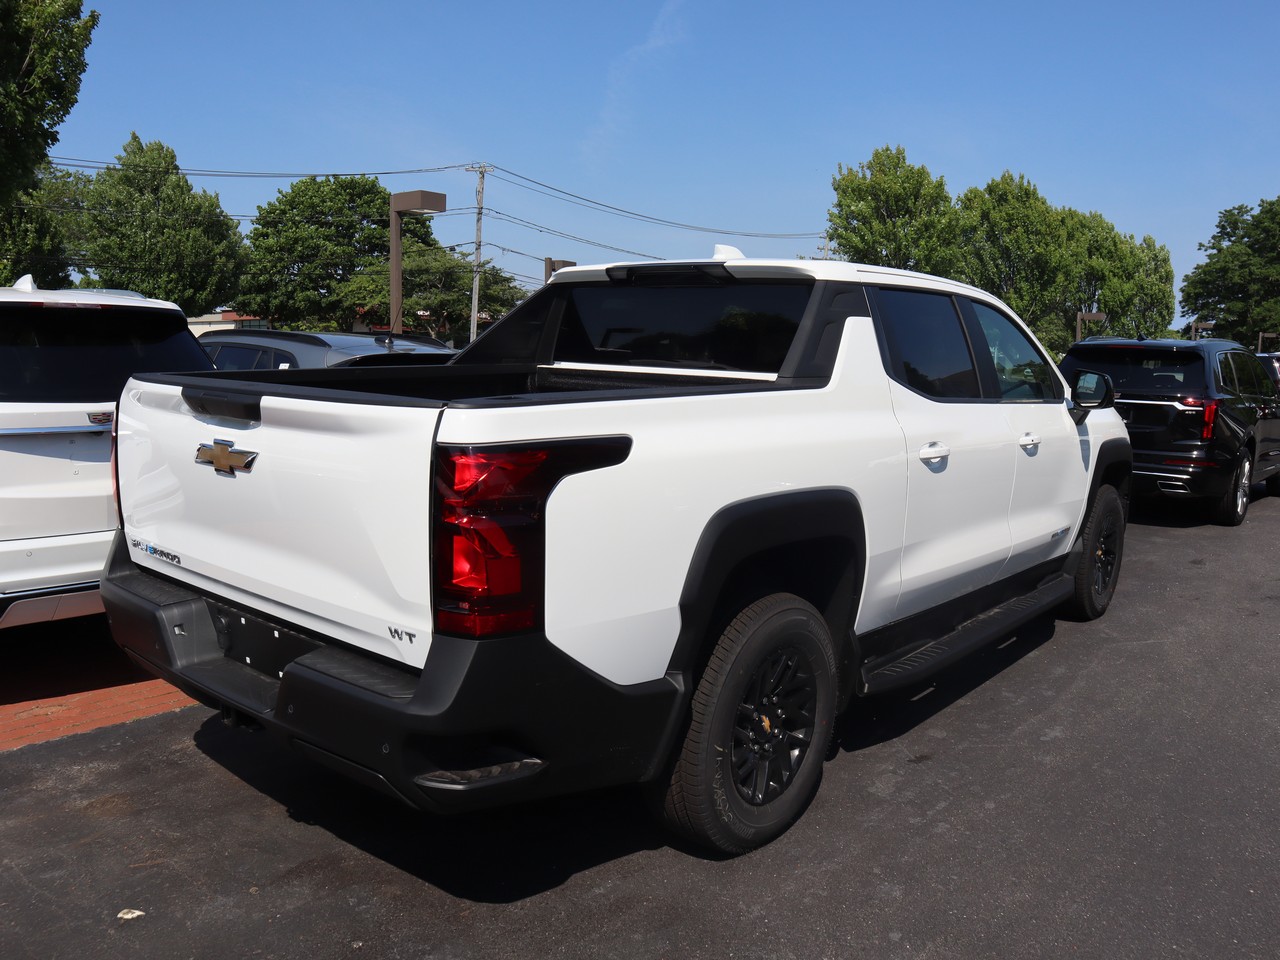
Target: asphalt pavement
1102	790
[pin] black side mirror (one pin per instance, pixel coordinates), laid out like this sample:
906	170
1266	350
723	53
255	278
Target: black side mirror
1090	391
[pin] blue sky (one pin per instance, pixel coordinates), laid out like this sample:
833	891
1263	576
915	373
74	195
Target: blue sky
732	116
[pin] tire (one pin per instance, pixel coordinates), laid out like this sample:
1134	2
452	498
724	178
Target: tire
1099	568
1273	485
761	722
1231	509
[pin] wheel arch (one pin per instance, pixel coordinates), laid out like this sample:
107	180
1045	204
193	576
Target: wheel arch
809	543
1113	467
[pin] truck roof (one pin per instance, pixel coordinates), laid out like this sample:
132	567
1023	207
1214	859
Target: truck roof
747	267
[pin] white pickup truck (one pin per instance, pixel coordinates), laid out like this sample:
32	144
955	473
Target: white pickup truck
657	525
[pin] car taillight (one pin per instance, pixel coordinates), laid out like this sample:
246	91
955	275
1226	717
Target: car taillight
489	553
1210	408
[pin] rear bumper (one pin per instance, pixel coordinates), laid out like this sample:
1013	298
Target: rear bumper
485	722
57	603
1154	476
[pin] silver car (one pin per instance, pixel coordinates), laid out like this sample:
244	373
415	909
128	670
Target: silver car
64	358
287	349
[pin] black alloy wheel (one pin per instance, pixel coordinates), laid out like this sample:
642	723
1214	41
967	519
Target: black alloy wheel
1102	550
775	726
760	721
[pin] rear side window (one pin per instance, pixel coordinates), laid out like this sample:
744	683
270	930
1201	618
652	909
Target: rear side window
1250	376
1142	370
85	355
928	348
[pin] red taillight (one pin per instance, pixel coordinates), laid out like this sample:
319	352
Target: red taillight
1210	408
489	555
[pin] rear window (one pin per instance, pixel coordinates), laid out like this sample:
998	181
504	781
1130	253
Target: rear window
735	326
75	355
1140	370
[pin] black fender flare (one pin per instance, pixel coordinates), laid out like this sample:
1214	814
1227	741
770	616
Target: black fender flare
824	525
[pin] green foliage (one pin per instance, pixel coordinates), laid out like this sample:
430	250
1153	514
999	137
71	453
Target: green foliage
320	259
438	283
319	252
145	229
1048	263
891	213
41	233
1011	241
1238	284
42	45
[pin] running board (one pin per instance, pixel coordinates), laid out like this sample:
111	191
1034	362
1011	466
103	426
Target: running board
964	639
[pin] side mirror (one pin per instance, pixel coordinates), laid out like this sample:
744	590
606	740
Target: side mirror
1090	391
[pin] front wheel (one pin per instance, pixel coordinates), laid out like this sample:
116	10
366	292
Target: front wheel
1099	567
761	721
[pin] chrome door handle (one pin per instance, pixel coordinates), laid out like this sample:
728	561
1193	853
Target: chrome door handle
934	451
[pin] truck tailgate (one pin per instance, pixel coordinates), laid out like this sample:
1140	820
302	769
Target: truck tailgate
316	514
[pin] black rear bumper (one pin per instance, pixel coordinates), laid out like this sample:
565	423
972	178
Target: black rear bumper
484	723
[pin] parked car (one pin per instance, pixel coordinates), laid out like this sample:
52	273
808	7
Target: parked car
1271	364
667	519
287	349
1203	417
64	358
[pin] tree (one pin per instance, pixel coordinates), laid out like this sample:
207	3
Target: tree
1011	240
437	292
42	45
1238	284
1105	271
41	233
891	213
147	230
320	250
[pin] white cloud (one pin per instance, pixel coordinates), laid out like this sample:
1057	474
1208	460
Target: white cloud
625	76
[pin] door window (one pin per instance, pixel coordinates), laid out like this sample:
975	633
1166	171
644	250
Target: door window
928	348
1022	372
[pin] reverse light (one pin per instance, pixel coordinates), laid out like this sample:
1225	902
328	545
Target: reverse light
489	556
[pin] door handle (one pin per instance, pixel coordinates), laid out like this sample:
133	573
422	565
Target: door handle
934	451
1028	440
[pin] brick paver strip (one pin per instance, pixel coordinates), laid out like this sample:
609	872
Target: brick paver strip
36	721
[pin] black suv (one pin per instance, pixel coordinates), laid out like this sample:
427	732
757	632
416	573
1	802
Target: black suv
1203	417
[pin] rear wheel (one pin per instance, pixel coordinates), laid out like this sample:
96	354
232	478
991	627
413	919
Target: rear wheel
761	721
1099	567
1231	509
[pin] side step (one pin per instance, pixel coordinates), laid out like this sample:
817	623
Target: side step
964	639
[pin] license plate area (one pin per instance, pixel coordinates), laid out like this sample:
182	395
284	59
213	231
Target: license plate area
260	645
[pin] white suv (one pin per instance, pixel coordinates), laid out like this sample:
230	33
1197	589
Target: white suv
64	358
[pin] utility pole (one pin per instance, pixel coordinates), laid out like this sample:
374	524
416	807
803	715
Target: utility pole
480	169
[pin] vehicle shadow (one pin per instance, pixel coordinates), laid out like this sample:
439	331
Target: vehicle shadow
499	856
61	658
510	854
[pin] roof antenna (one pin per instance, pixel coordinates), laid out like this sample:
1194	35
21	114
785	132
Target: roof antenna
26	283
723	251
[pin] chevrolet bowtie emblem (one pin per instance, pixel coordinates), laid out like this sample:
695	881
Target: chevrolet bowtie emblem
226	460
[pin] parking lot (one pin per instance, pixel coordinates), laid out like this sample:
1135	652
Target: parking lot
1097	790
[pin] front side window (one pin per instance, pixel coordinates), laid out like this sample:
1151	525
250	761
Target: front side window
1022	372
928	349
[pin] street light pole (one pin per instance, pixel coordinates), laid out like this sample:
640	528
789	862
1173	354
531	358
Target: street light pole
481	169
411	201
